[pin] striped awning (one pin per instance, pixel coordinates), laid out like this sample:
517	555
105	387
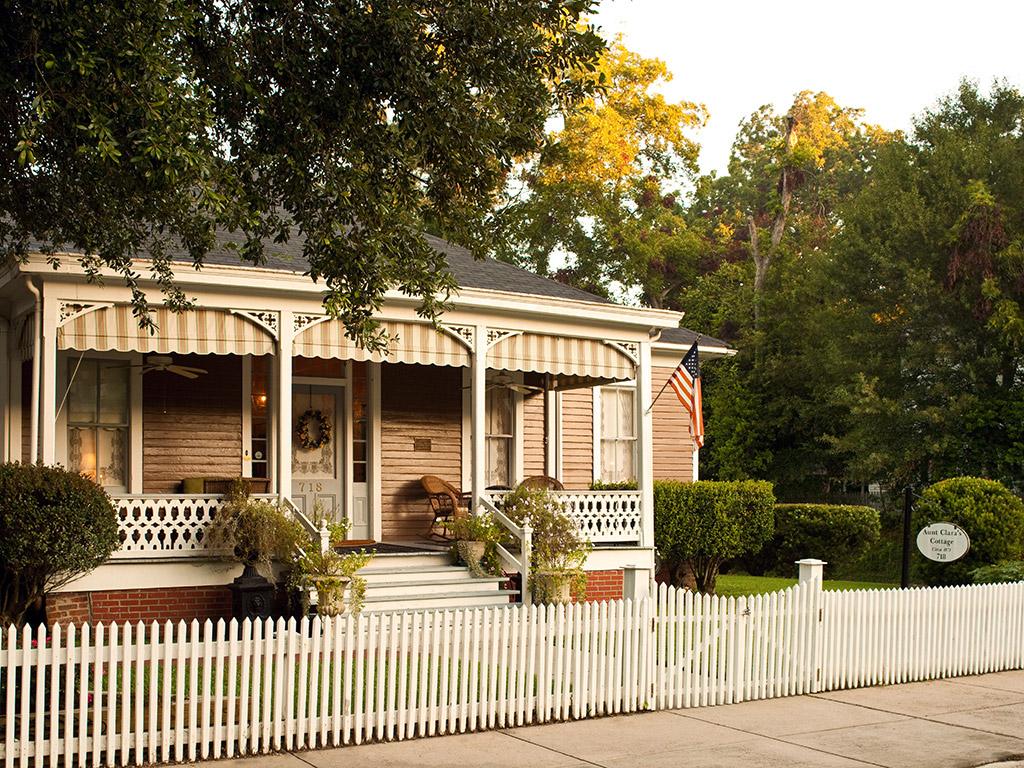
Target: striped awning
409	343
561	355
194	331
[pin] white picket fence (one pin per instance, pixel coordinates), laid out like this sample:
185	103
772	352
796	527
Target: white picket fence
130	694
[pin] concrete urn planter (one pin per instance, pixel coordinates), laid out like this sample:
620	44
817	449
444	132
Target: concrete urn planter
330	593
472	554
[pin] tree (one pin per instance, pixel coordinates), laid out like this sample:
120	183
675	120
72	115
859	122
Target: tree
802	154
928	281
140	128
772	410
605	190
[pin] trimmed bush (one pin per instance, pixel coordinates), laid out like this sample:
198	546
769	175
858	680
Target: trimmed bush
55	526
698	526
835	533
990	513
623	485
1000	573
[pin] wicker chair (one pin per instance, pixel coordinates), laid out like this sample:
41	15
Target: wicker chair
446	502
542	482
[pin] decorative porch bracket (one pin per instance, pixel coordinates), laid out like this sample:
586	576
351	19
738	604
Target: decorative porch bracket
265	319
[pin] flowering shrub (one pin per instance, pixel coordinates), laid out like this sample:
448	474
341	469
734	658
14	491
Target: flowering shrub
558	545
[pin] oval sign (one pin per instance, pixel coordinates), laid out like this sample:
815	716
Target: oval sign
943	542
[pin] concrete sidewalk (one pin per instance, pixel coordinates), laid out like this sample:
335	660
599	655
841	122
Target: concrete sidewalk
969	721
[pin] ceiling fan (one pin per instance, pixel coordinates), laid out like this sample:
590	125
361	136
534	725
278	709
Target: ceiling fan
166	363
503	381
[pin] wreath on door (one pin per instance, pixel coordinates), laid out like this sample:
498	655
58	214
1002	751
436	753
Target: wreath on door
323	431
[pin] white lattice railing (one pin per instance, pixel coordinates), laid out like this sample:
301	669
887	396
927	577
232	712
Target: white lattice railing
604	517
166	526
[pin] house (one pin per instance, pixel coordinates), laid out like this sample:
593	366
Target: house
525	376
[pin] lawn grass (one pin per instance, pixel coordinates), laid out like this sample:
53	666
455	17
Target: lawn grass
736	584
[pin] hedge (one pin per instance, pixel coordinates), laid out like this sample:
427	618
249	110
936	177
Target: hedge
698	526
835	533
990	513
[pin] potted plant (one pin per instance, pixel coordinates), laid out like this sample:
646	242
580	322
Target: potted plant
254	532
559	549
476	539
332	575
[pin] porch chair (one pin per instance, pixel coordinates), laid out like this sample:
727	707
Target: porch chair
542	482
446	502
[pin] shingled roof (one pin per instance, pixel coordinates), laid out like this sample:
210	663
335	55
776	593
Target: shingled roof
685	337
468	272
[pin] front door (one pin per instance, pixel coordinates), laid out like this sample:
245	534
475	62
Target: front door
317	450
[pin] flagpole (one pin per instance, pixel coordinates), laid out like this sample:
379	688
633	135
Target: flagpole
665	385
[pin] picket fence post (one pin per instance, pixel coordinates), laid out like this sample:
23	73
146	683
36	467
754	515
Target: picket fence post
811	578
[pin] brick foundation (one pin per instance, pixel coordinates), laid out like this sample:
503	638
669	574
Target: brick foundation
171	604
604	585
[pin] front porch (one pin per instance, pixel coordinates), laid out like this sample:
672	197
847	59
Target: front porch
482	402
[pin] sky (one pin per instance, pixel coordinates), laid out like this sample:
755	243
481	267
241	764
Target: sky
893	59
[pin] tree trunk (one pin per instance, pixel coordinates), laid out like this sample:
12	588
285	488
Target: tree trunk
763	259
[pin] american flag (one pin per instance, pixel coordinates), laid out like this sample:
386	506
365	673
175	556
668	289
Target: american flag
685	382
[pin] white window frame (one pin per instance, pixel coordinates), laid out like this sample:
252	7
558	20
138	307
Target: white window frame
66	362
508	437
467	427
598	428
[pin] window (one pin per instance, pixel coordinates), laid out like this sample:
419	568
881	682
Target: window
500	418
618	434
98	421
360	433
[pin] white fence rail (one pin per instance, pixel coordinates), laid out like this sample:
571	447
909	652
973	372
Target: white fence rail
130	694
604	517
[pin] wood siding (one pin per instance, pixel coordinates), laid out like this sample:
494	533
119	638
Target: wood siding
418	403
533	435
577	438
673	441
192	428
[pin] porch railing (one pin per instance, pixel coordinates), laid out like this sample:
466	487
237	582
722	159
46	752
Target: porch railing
516	561
604	517
171	526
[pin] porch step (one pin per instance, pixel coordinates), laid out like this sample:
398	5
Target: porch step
393	563
398	583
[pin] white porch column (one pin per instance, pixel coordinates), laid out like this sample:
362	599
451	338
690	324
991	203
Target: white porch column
283	385
374	373
48	408
551	433
478	413
645	442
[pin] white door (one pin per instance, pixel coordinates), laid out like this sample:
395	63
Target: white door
318	465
